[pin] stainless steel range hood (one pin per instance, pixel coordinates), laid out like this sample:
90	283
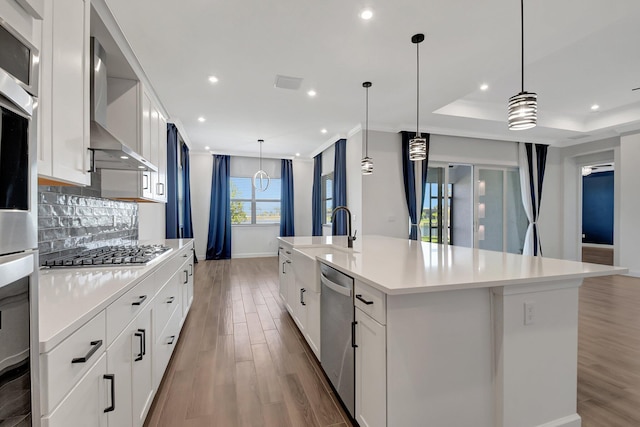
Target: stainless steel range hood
107	150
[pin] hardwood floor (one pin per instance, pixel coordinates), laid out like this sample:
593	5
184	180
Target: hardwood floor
240	360
597	255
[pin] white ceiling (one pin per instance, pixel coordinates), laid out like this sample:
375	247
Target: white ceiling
578	53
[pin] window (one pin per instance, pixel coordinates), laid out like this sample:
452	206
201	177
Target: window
436	207
249	206
327	197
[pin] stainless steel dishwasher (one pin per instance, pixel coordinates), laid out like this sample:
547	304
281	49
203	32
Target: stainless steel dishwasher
336	328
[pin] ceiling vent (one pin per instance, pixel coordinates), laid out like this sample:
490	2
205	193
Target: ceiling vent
287	82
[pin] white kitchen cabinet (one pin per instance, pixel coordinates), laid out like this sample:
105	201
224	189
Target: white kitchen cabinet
371	371
187	286
133	117
287	278
86	403
129	359
63	154
312	326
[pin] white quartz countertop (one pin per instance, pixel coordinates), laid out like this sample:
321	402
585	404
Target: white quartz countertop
402	266
69	297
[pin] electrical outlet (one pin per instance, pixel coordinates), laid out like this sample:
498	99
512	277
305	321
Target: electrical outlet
529	312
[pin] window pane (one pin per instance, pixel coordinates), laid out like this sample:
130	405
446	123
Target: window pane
267	212
272	192
328	205
240	212
328	188
490	227
240	187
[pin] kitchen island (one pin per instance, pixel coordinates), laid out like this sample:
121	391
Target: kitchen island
453	336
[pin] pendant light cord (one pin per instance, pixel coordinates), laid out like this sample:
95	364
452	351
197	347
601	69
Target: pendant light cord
418	90
261	154
366	124
522	39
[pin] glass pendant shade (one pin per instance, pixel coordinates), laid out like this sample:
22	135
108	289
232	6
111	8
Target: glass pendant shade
523	111
417	148
367	165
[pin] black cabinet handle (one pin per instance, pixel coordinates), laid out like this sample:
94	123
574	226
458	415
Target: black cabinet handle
283	272
112	378
353	334
288	262
141	299
359	296
288	252
172	338
190	269
186	277
170	300
141	336
95	345
185	255
302	291
144	341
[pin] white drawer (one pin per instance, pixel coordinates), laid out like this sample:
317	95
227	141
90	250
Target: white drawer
285	248
371	301
123	310
164	346
58	372
167	301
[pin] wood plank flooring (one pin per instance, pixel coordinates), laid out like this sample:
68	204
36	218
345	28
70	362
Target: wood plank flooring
597	255
240	361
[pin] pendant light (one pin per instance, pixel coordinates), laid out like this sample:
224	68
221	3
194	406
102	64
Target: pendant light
523	107
418	145
261	179
367	162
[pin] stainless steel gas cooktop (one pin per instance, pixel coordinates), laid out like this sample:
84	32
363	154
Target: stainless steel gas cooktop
110	256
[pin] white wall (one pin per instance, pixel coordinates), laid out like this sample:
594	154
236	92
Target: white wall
629	203
248	241
456	149
302	189
355	181
201	169
384	208
151	221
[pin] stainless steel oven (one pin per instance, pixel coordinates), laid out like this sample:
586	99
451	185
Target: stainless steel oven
19	339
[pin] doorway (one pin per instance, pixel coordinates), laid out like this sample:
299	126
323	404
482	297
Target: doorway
597	213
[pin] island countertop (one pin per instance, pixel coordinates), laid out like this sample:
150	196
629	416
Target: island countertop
402	266
69	297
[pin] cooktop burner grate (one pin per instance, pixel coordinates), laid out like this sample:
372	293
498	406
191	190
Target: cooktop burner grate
109	256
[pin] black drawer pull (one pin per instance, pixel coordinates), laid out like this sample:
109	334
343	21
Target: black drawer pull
359	296
170	300
288	252
172	338
95	345
190	269
139	355
141	299
353	334
302	291
186	277
112	378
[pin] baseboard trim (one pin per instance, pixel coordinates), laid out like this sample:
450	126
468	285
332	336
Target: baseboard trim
255	255
573	420
633	273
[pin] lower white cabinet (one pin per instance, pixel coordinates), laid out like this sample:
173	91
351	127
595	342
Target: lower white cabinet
371	371
85	405
287	280
129	359
187	286
312	327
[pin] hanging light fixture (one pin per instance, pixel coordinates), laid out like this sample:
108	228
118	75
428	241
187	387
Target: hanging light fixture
418	145
367	162
261	179
523	107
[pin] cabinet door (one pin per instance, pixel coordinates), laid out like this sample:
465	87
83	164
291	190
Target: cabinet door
85	404
65	82
298	303
312	327
161	185
187	287
286	279
371	371
142	369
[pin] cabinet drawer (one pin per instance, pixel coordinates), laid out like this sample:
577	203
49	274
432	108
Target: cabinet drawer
58	373
164	347
123	310
85	404
371	301
167	301
285	248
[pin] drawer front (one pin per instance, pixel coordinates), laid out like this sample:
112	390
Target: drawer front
285	248
59	373
167	301
371	301
164	347
123	310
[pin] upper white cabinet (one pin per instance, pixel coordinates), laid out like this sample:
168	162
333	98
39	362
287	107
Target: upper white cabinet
63	154
135	118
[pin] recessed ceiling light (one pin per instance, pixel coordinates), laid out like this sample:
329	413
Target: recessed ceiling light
124	157
311	93
323	131
595	107
297	154
142	167
366	14
201	119
206	147
484	86
213	79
